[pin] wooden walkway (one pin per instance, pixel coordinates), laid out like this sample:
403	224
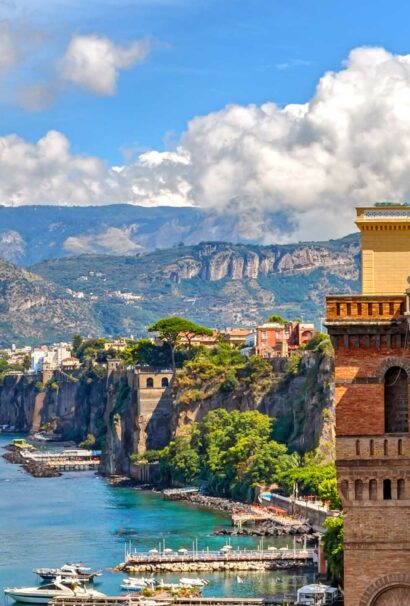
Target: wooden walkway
133	600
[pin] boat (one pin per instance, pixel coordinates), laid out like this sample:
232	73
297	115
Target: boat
138	584
72	571
193	582
45	593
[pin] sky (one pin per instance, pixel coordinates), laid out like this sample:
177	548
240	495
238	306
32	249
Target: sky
239	106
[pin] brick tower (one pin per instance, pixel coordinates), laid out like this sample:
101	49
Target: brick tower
371	337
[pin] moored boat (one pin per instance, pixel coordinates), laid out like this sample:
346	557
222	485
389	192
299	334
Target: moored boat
45	593
73	571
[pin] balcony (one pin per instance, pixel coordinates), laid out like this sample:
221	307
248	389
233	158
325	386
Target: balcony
369	308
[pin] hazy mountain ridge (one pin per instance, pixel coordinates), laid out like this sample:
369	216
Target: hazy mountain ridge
216	283
30	234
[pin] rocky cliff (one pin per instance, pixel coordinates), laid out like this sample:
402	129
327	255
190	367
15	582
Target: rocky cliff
214	283
71	408
298	394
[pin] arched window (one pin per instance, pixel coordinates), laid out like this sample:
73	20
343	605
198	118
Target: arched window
358	490
357	447
373	490
387	490
371	447
401	489
150	382
396	415
164	382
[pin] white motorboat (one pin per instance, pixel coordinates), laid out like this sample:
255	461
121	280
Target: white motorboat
45	593
73	571
138	584
193	582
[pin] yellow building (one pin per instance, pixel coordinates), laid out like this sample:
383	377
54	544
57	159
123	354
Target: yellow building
385	231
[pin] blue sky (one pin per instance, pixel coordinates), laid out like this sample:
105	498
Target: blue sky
251	107
205	54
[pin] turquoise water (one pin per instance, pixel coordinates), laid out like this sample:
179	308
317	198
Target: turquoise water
79	517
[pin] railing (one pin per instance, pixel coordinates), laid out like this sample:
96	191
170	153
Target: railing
364	307
220	556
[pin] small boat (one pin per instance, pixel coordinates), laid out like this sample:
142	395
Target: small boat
138	584
45	593
193	582
239	579
72	571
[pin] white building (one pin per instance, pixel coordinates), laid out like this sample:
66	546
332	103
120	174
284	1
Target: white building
52	356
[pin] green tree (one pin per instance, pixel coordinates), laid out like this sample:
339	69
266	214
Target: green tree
333	547
278	319
77	342
171	330
328	492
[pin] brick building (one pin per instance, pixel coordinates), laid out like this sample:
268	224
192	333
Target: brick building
370	333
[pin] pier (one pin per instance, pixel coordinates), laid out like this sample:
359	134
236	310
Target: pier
67	460
132	600
224	559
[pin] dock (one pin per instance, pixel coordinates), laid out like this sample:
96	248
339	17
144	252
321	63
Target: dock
174	601
224	559
67	460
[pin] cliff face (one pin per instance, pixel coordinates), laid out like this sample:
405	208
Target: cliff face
301	399
70	408
125	421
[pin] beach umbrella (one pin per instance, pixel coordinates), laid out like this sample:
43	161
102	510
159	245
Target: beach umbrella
168	550
272	548
153	551
228	547
283	549
183	550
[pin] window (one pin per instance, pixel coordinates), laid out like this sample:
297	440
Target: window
164	382
357	447
371	448
358	490
401	489
386	448
373	490
396	400
387	490
400	447
150	382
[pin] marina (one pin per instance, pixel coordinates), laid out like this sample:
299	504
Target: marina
79	517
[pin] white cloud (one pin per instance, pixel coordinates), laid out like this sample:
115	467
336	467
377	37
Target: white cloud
312	162
93	62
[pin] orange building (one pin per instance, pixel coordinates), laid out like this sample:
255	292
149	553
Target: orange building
271	340
370	334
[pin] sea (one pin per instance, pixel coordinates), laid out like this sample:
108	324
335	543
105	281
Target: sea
79	517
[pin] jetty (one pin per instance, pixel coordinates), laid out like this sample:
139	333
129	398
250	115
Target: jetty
175	601
226	558
75	459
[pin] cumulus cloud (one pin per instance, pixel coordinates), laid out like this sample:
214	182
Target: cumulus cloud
94	62
311	163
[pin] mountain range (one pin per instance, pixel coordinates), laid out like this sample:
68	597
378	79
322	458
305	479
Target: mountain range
30	234
216	283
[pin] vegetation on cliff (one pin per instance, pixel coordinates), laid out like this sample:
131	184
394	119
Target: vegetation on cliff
233	452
